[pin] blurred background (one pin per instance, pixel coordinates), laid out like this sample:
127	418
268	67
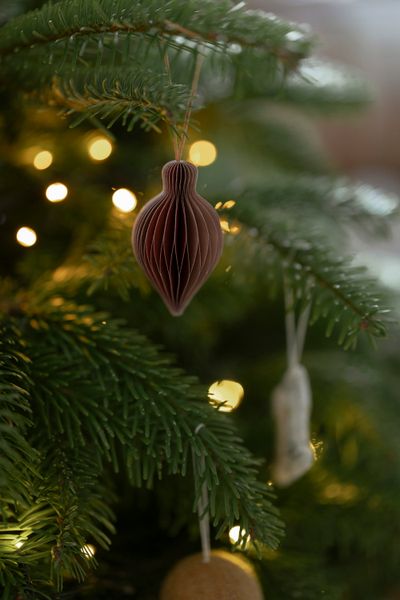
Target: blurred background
363	34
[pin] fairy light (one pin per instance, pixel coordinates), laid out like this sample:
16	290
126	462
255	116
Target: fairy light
99	148
18	544
226	395
341	492
88	551
234	229
224	225
26	236
227	227
229	204
56	192
42	160
202	153
124	200
235	534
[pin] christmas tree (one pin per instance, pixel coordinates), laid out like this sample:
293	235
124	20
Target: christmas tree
120	437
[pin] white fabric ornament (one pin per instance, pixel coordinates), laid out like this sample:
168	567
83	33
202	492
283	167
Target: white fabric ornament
291	407
291	403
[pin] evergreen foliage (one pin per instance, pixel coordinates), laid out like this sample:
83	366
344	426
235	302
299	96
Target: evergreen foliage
83	396
102	394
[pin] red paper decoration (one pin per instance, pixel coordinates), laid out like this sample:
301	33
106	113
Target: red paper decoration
177	237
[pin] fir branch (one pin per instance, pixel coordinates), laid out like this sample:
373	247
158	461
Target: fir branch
326	87
71	509
18	460
129	96
109	265
341	293
122	393
315	86
53	48
334	201
213	23
253	53
51	500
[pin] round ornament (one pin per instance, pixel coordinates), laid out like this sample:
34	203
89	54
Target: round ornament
225	577
177	237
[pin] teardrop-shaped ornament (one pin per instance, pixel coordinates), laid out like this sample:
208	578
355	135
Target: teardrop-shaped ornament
177	237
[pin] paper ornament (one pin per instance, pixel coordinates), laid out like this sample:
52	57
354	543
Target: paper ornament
177	237
226	577
291	406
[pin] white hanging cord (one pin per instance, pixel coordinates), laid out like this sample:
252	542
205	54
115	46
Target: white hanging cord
302	329
295	337
202	507
290	325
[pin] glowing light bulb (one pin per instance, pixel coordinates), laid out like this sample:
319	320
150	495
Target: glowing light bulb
18	544
26	236
202	153
234	229
226	394
235	533
124	200
88	550
229	204
56	192
100	148
43	160
225	225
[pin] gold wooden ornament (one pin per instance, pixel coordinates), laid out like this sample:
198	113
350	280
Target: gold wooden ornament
225	577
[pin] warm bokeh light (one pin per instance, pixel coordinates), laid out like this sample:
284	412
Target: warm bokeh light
341	493
224	225
227	227
229	204
43	160
235	533
99	148
56	192
202	153
26	236
88	550
124	200
226	394
19	544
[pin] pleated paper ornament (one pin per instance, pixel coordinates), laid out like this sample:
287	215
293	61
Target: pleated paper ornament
177	237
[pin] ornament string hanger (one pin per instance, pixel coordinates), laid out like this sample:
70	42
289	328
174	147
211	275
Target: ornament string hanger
175	140
193	92
203	505
178	140
295	336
